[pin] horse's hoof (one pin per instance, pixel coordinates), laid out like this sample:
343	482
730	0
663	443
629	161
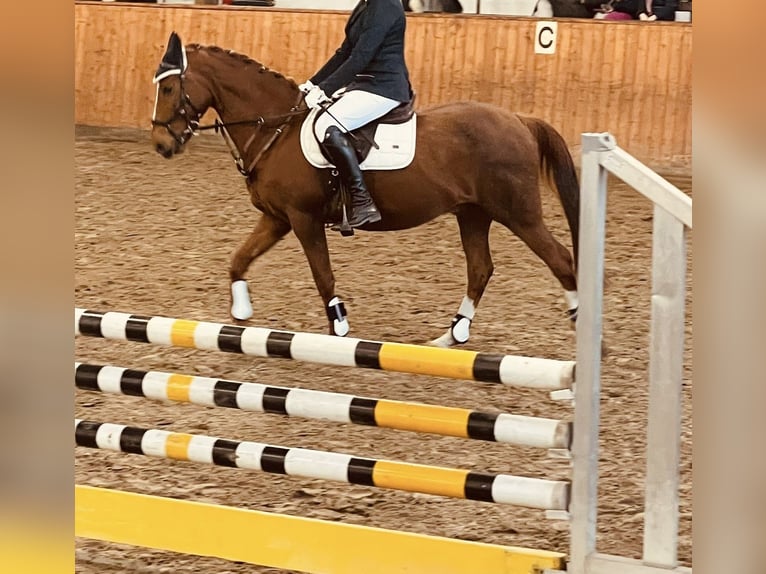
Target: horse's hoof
241	312
445	341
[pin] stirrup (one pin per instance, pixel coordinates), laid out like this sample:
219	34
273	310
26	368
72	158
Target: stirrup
344	227
347	229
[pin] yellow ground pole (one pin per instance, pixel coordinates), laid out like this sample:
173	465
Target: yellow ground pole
289	542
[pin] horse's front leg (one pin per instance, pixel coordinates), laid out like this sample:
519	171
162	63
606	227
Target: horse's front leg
310	232
266	233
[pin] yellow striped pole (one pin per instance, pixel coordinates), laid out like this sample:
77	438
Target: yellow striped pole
459	483
339	407
530	372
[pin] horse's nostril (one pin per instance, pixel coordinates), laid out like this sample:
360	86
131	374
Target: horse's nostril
164	151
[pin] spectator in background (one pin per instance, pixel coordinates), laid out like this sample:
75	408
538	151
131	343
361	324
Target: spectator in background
662	9
575	8
453	6
646	10
646	14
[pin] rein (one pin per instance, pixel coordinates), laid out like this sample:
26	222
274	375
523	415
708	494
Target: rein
280	122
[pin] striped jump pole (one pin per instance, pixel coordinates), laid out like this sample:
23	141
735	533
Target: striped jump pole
449	482
532	372
338	407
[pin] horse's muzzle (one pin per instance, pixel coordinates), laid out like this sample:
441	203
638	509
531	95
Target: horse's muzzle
168	143
165	150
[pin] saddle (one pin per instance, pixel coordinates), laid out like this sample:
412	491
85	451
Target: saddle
363	139
387	143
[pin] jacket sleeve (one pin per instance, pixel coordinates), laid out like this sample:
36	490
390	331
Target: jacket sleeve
340	56
378	20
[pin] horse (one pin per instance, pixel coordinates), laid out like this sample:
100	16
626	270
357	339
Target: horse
474	160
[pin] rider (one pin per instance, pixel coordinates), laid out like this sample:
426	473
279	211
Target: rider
369	78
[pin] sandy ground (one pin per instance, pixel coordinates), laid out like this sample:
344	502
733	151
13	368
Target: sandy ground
154	237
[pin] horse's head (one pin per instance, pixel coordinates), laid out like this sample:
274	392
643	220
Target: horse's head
242	92
175	118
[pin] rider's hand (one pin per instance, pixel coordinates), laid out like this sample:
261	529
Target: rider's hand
315	97
306	87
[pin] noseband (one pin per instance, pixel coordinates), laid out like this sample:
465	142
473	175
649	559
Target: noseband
180	111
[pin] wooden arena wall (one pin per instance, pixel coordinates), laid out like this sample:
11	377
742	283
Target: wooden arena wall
632	79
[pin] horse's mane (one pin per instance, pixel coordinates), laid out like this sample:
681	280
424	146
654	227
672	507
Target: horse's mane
240	57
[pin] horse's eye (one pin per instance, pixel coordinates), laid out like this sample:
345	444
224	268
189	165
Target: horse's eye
167	90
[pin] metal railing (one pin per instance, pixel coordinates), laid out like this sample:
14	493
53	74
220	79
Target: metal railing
672	219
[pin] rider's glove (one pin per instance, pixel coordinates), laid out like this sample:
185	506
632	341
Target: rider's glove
315	97
306	87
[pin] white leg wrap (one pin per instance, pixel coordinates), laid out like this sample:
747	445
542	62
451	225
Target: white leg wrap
467	308
241	307
459	331
341	328
461	324
336	312
573	302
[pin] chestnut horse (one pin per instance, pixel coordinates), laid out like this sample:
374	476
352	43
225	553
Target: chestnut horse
474	160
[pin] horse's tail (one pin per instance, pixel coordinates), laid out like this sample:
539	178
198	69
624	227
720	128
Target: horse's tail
557	166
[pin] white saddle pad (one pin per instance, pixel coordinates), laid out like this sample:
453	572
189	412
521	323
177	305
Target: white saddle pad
396	142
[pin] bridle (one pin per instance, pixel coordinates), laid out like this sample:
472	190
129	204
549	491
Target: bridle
193	127
181	111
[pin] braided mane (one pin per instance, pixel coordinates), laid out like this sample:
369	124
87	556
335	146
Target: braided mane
239	57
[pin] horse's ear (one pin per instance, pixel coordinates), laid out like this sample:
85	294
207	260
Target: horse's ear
174	60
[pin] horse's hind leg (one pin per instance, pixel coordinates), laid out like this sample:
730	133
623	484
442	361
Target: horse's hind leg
540	240
474	225
266	233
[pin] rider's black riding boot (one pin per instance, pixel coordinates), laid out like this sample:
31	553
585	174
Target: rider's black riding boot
343	155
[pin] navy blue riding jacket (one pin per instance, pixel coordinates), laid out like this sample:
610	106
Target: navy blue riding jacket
371	57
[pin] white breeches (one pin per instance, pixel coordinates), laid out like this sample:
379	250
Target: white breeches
353	110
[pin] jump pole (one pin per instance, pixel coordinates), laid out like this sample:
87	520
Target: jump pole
530	372
339	407
289	542
449	482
